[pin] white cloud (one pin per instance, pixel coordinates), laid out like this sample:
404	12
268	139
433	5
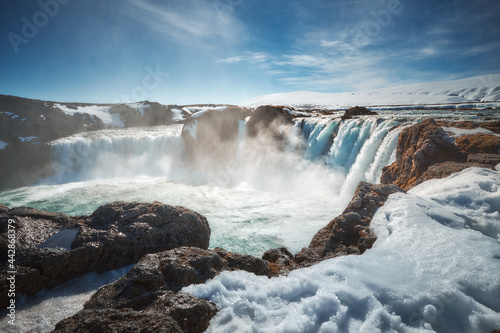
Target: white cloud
250	57
191	21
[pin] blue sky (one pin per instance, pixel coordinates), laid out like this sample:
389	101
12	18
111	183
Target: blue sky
227	51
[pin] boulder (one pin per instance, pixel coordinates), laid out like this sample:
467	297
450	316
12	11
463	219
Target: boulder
236	261
420	146
52	248
152	288
350	232
357	111
445	169
114	321
485	159
478	143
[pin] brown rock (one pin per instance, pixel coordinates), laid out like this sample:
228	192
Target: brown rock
478	143
236	261
489	159
493	126
443	170
420	146
350	233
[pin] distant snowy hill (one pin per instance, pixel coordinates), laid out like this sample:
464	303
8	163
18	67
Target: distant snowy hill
477	89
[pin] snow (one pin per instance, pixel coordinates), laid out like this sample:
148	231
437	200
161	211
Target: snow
3	144
456	132
139	107
100	111
177	114
197	111
434	268
478	89
28	138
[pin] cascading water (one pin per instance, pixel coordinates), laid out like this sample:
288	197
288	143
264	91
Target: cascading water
118	153
265	198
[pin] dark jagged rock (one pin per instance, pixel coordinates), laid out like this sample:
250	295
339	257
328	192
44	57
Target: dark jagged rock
184	266
49	253
478	143
486	159
236	261
420	146
357	111
115	321
443	170
350	232
164	271
152	287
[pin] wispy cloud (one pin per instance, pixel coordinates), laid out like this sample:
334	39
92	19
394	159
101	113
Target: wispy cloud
193	21
250	57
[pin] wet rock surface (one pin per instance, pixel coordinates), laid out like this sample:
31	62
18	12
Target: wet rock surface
115	235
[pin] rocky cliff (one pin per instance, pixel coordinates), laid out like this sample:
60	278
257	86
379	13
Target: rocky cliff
428	150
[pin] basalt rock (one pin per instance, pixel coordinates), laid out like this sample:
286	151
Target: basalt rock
443	170
236	261
357	111
485	159
52	248
478	143
420	146
151	288
114	321
350	232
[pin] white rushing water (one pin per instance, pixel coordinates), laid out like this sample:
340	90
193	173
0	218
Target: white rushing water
263	199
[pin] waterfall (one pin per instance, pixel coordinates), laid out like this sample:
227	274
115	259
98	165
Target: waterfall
352	150
117	153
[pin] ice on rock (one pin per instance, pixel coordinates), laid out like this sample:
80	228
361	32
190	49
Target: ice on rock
429	271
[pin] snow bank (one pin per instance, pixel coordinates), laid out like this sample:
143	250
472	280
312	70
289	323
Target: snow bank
27	138
428	271
102	112
464	131
177	114
478	89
